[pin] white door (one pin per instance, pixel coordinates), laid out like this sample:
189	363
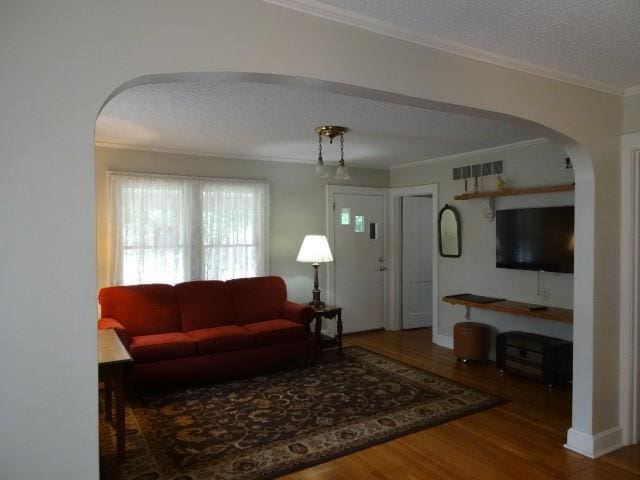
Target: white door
358	251
417	262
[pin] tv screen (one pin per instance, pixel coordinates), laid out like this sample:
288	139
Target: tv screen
535	239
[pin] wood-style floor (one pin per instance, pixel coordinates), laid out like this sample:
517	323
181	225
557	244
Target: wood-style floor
520	440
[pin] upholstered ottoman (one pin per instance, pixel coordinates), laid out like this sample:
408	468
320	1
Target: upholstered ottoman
471	341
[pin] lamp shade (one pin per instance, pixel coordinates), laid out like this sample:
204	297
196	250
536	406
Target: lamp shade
315	249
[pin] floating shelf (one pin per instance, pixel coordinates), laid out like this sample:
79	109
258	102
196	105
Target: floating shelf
564	315
517	191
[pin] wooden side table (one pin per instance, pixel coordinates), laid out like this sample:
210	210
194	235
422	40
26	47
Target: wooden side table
113	358
323	341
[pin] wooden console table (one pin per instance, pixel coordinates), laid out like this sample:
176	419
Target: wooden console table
112	360
564	315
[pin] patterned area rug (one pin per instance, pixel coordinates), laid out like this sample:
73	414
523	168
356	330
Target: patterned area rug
264	427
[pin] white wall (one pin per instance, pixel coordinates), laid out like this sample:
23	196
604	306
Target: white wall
298	202
475	270
631	113
60	60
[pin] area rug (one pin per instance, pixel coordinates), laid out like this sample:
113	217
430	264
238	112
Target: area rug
266	426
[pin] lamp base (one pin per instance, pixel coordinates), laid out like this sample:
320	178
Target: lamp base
316	302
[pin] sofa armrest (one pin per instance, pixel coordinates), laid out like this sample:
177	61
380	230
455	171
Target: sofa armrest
107	323
298	312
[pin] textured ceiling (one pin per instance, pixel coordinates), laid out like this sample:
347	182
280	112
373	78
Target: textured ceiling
597	40
276	122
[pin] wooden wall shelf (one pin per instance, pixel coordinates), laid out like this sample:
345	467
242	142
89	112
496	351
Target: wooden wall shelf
517	191
564	315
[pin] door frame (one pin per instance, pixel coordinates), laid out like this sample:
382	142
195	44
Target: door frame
331	271
629	393
395	265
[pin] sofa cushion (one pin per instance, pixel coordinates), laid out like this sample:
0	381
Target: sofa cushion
162	346
222	339
203	304
142	309
276	331
256	299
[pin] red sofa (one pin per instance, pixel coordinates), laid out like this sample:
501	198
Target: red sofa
206	330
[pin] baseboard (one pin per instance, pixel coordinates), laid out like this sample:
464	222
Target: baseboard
444	341
594	446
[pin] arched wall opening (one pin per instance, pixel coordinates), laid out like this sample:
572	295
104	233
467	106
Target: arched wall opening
56	81
583	330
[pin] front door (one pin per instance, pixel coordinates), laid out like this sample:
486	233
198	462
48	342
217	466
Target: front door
417	262
359	260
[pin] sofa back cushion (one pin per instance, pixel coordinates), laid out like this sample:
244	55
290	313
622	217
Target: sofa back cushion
142	309
204	304
256	299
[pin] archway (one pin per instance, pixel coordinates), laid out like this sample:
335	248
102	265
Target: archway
583	385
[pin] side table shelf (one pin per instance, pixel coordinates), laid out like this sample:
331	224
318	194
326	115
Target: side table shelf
329	312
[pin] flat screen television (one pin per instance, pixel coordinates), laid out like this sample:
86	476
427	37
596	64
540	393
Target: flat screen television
535	239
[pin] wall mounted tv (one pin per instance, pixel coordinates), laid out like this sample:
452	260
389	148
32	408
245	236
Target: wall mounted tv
535	239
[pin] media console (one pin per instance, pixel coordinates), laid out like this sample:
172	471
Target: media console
543	312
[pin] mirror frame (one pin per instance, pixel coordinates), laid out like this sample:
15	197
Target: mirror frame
457	217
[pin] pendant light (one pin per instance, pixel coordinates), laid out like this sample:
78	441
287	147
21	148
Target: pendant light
332	131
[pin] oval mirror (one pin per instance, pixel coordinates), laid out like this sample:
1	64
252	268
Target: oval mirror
449	232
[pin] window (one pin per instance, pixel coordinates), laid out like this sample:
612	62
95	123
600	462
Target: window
174	229
345	216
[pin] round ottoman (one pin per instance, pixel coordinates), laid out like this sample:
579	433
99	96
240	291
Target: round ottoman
471	341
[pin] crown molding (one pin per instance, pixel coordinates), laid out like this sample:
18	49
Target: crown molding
472	153
635	90
200	153
336	14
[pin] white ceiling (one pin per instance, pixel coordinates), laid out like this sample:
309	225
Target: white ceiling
593	42
260	121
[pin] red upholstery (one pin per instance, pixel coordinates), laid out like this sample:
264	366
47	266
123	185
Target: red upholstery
256	299
298	312
276	331
217	365
206	329
222	339
106	323
162	346
203	304
142	309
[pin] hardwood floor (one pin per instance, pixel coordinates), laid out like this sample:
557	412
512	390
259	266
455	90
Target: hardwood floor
522	439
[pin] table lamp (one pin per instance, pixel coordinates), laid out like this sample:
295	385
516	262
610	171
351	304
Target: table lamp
315	250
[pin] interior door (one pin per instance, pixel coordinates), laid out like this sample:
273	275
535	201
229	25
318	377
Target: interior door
359	260
417	262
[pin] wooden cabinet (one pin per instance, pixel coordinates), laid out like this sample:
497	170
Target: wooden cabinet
544	359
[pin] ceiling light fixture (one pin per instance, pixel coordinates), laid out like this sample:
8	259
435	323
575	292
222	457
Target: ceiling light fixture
332	131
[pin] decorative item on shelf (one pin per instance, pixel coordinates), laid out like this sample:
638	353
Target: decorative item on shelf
567	163
489	209
315	250
332	131
449	238
476	171
466	174
501	183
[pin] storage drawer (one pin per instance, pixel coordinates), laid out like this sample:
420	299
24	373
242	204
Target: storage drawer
520	353
523	369
537	357
526	343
